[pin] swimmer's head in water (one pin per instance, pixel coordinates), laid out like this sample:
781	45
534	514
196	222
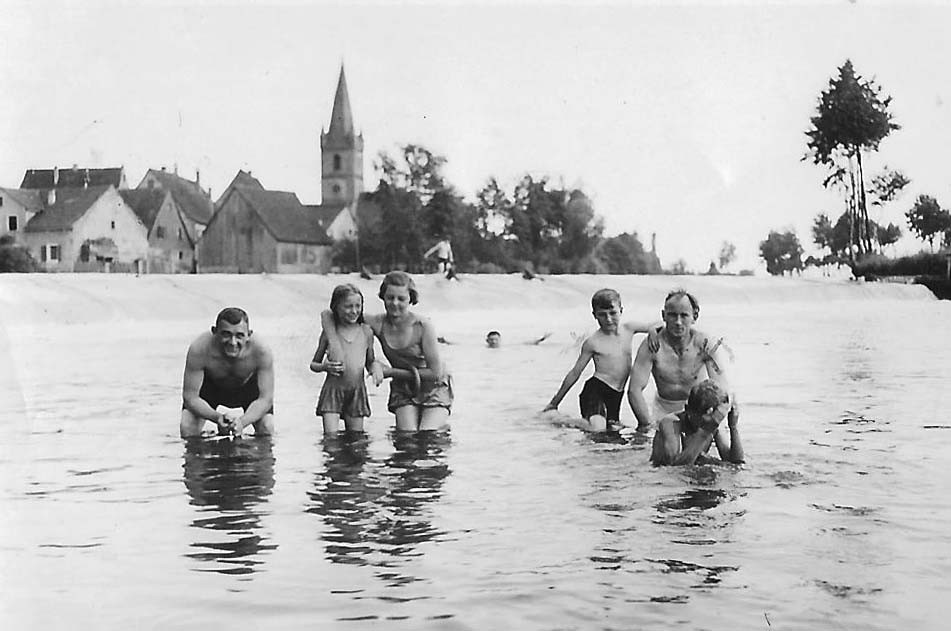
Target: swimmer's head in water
706	395
232	331
683	293
493	339
346	304
399	279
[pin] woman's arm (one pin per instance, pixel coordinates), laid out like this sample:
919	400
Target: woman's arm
431	351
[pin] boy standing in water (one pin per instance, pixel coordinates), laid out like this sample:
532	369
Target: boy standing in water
610	348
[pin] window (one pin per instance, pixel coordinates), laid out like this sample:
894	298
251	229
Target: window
112	225
336	162
181	255
12	223
160	232
181	235
54	253
336	188
42	254
289	255
1	201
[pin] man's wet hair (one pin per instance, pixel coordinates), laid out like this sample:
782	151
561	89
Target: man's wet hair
232	315
398	278
683	293
605	299
705	395
491	333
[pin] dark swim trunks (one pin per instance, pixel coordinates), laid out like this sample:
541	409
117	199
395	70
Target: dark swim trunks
214	394
598	398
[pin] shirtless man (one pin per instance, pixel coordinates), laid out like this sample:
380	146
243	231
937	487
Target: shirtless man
610	348
684	437
226	367
684	359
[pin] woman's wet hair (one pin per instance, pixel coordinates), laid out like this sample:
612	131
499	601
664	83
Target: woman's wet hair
340	293
232	315
400	279
705	395
683	293
605	299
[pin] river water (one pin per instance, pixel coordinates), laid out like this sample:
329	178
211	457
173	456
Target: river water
839	519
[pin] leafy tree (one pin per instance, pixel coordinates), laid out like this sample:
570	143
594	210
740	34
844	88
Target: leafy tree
727	254
822	231
679	267
781	251
887	185
15	258
624	254
852	117
927	219
887	235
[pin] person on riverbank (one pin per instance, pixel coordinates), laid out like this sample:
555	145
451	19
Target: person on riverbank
420	387
610	349
684	358
684	437
443	252
228	368
344	393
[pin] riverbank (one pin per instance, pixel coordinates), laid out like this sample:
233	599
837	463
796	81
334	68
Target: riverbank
38	299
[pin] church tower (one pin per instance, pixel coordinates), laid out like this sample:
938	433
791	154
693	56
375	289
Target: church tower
341	152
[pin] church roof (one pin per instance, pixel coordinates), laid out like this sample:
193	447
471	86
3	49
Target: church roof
70	205
74	177
284	216
146	203
341	119
188	195
325	213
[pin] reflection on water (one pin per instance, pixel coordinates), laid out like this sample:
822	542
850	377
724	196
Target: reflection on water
228	480
376	510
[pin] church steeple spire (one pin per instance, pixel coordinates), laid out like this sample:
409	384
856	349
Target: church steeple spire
341	120
341	149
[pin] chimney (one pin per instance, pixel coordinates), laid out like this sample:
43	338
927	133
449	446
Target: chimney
51	197
198	177
55	176
654	242
175	166
86	178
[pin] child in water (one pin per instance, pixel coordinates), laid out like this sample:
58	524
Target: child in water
610	348
420	387
344	393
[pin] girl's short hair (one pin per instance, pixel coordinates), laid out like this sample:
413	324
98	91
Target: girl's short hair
400	279
340	293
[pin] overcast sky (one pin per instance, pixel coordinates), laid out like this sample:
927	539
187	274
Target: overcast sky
687	121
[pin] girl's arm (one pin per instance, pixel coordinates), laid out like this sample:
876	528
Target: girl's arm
317	363
372	365
430	352
329	326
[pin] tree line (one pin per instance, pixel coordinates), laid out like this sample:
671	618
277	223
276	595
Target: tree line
536	226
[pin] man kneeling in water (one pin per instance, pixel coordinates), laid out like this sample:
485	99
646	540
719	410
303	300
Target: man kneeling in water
226	367
681	438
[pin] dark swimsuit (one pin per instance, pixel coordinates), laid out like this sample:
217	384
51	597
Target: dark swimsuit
215	394
598	397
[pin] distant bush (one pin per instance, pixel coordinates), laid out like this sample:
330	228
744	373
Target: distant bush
15	258
921	264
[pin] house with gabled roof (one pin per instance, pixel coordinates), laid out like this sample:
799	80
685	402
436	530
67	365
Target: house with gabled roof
242	179
74	177
17	207
88	229
255	230
171	248
193	201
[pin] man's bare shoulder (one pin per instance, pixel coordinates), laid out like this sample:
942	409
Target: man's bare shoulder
260	350
201	344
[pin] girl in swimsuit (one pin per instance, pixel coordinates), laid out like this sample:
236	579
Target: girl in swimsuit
420	390
344	393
